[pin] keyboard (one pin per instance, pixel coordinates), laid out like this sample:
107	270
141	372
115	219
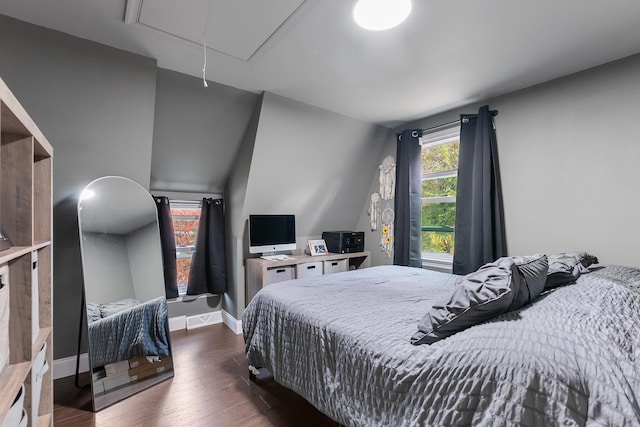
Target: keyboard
274	257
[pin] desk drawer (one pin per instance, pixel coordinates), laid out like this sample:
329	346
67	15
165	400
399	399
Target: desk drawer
309	269
280	274
335	266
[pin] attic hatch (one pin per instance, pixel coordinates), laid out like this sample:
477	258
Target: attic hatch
230	30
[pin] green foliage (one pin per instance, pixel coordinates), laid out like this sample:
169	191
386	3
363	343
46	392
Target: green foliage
439	187
441	158
438	214
433	241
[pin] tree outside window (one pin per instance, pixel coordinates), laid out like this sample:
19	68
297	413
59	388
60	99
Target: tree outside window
186	217
439	183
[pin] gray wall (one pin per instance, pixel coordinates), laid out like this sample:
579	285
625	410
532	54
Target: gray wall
95	104
123	266
107	284
568	162
192	306
310	162
235	221
145	262
306	161
197	132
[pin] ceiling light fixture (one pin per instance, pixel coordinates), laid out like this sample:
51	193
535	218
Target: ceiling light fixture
378	15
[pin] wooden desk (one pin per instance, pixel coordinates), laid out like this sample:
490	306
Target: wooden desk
261	272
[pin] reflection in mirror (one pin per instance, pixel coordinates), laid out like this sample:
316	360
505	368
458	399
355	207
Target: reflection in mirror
128	329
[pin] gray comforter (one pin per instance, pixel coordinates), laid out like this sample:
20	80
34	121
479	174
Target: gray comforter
135	332
342	342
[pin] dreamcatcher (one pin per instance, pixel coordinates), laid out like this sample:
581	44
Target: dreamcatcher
382	201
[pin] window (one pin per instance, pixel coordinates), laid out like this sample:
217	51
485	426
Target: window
186	217
439	181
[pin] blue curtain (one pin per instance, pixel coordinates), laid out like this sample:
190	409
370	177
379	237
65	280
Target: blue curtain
479	235
407	227
168	245
209	263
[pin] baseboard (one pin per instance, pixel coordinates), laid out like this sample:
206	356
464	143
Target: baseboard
177	323
66	366
204	319
232	323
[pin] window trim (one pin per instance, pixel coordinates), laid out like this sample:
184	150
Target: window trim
441	137
435	260
178	204
442	199
438	175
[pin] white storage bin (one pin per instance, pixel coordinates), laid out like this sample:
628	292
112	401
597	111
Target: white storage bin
16	412
98	386
38	369
24	420
4	316
35	306
40	359
335	266
280	274
309	269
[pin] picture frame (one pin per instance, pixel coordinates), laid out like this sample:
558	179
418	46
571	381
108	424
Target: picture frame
5	241
317	247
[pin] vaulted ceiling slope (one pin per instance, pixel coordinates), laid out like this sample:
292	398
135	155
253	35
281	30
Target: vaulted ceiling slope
447	53
196	133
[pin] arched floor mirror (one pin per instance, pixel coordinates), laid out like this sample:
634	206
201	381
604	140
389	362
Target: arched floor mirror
124	293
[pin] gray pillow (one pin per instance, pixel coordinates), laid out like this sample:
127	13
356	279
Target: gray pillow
93	312
566	267
534	268
477	297
111	308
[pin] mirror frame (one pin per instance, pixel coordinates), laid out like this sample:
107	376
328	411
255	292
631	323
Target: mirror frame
101	398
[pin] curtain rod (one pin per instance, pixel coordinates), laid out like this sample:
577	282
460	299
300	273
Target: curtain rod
455	122
444	125
183	195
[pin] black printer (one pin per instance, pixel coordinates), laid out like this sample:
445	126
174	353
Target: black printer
344	242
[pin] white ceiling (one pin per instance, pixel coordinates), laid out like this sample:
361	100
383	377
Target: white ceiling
446	54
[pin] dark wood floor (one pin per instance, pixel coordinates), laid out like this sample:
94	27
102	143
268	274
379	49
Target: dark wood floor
211	387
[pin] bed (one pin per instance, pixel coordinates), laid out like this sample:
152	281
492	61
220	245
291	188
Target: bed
571	356
127	329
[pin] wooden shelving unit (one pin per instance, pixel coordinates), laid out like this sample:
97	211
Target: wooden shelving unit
25	214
